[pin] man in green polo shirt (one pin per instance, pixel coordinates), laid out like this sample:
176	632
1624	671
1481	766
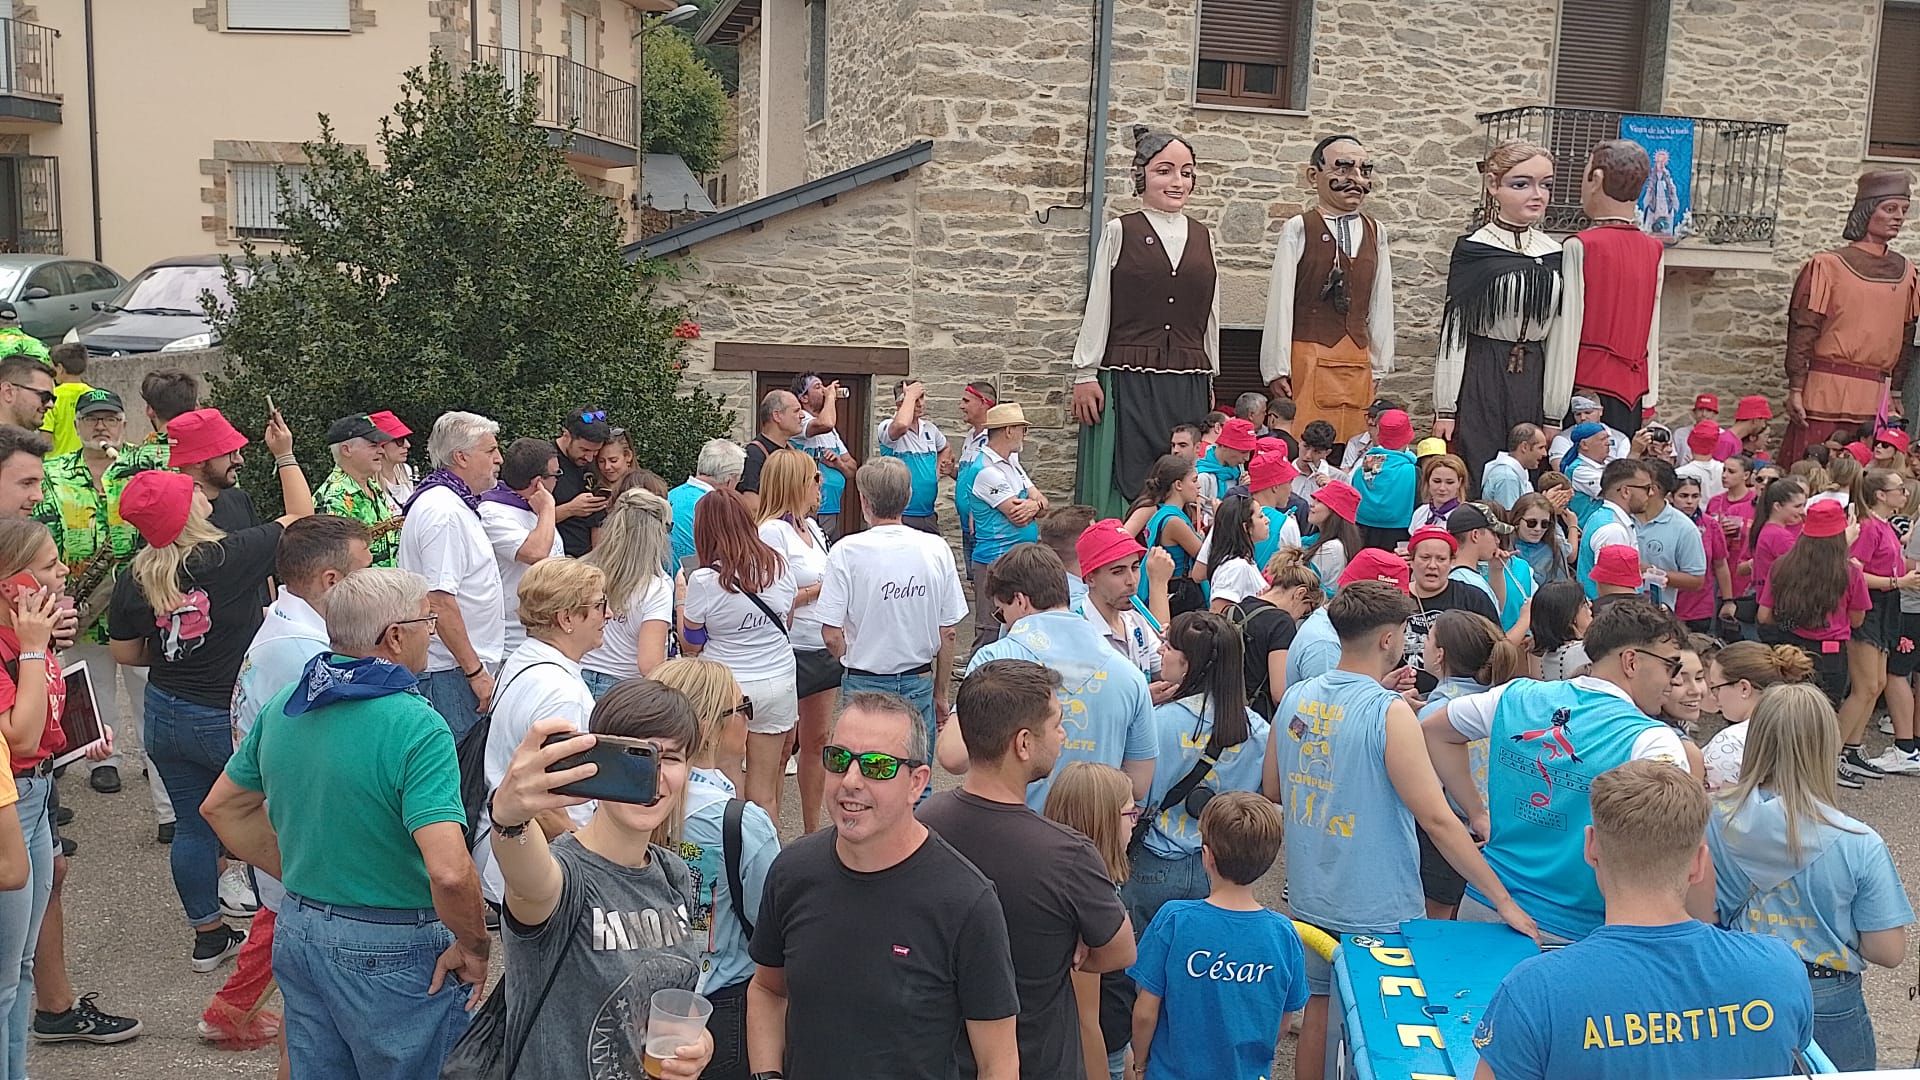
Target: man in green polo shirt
353	489
347	789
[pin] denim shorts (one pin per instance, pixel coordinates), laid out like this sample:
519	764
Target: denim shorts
1156	879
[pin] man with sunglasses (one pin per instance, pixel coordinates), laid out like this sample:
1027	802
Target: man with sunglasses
879	946
1547	742
1626	485
576	507
26	391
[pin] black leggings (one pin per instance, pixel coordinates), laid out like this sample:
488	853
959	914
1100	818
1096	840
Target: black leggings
1829	668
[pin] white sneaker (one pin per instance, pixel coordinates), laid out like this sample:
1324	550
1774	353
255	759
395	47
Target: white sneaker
1896	760
237	898
793	766
1886	724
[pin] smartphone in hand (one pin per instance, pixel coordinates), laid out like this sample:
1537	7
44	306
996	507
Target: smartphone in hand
629	769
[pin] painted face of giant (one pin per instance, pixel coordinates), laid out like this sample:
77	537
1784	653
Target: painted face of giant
1346	178
1169	177
1889	216
1521	193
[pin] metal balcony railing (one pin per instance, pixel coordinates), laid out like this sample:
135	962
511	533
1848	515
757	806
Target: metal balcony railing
1733	194
26	59
571	95
30	204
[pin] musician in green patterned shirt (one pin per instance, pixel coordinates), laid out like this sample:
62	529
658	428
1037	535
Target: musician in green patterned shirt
353	489
168	392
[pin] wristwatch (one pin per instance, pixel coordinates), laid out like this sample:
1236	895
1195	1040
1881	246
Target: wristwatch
508	831
774	1074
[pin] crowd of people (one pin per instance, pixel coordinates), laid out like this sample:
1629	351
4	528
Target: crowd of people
536	701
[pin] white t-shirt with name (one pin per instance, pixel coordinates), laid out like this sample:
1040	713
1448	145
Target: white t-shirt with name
619	651
444	542
507	528
739	634
809	564
891	589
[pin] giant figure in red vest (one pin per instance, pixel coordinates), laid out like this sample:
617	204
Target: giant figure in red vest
1612	298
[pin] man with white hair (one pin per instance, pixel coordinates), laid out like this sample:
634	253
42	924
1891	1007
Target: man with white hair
720	464
444	542
353	489
389	876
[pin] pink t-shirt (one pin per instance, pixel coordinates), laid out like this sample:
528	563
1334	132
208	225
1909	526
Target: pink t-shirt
1774	542
1728	445
1839	626
1878	548
1721	508
1700	603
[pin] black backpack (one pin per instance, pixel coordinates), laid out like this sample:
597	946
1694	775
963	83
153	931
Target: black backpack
1243	616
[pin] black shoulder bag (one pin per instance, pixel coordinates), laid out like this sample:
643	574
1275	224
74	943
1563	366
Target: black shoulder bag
1183	593
1174	797
730	838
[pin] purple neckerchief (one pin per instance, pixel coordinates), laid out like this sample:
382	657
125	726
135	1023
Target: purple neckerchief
506	496
443	478
1442	510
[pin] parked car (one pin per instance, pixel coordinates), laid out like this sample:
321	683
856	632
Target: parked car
54	293
158	311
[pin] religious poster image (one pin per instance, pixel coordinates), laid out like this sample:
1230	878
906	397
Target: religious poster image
1666	199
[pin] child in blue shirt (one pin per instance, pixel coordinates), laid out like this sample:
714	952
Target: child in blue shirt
1386	477
1217	977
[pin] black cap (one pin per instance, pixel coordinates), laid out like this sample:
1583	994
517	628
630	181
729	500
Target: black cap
97	401
1381	405
1470	516
357	426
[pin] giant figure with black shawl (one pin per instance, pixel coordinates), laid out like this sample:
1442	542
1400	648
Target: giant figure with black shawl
1149	343
1503	358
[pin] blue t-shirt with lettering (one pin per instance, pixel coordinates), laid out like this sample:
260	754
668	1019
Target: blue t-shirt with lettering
1686	1001
1224	980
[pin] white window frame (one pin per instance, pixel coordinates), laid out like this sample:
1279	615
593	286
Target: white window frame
254	205
290	16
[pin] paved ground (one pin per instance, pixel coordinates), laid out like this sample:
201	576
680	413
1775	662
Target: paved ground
126	940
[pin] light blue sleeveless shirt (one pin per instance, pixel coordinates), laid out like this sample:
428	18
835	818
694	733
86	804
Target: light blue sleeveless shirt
1602	514
1353	865
1549	741
1182	562
1183	733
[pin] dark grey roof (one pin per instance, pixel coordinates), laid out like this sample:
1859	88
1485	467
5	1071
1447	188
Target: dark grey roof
667	184
893	166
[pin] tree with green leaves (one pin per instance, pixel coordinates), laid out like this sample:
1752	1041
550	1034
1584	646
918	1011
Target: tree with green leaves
470	269
685	108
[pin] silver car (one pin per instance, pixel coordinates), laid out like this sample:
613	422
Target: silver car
55	293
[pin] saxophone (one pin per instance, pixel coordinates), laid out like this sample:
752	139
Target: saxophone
91	582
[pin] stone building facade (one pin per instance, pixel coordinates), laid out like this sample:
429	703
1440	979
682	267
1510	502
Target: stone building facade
975	264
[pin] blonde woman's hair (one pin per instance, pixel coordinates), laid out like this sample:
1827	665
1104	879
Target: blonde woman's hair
709	686
157	570
786	486
1845	473
20	540
1290	569
633	547
1793	739
1088	798
1764	665
1508	154
554	586
1809	472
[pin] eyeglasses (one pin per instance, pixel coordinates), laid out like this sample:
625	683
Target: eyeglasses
745	708
873	764
1132	812
1673	662
432	619
550	476
46	396
1717	687
1536	523
601	604
593	416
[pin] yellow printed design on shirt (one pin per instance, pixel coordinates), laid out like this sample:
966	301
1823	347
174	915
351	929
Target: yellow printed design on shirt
1609	1031
1311	785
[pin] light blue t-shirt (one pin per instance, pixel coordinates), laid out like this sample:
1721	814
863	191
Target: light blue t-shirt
1315	649
1183	732
963	493
1224	979
1675	1002
723	956
1841	884
683	499
1353	865
1671	541
1104	702
994	480
832	481
1520	587
1503	481
1076	591
920	449
1602	514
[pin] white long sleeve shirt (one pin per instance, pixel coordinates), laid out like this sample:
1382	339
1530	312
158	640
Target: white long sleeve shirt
1561	348
1276	345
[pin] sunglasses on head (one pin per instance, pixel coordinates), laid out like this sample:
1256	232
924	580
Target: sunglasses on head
593	416
873	764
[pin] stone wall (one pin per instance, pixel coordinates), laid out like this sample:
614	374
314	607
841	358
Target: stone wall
870	69
747	108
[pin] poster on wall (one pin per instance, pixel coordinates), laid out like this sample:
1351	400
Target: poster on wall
1666	200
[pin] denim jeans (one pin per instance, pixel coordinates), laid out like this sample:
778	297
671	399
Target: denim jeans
598	682
728	1026
452	697
1841	1024
190	744
356	992
1156	880
20	914
917	689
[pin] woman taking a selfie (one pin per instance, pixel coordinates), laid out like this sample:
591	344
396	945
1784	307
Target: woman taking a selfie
556	891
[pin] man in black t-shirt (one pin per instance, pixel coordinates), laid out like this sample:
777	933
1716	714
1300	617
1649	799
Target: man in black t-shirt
1052	884
781	418
878	945
577	510
1432	549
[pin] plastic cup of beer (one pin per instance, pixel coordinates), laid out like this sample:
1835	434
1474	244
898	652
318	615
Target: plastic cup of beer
675	1018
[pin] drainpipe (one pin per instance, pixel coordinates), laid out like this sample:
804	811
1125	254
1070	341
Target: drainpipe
93	132
473	31
1102	92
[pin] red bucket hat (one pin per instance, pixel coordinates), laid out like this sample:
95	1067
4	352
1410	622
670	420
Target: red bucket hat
1433	532
1825	518
156	503
1396	429
1709	402
201	435
1238	435
1373	564
1341	497
390	424
1104	543
1269	470
1753	407
1618	564
1703	438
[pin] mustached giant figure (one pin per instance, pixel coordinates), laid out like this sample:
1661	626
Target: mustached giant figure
1330	305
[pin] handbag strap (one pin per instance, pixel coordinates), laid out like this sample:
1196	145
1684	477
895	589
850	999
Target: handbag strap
1175	796
730	838
519	1044
762	605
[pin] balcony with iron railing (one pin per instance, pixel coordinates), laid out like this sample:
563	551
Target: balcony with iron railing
593	114
1732	170
27	92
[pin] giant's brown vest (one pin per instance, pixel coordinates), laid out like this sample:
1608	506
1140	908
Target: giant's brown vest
1160	312
1314	319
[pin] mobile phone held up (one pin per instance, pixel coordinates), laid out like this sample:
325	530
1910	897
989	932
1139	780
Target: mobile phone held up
629	769
22	582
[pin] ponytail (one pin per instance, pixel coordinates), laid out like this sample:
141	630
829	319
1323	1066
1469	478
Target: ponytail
1475	648
1216	667
1167	471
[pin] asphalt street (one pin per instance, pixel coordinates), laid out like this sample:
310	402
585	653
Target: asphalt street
127	941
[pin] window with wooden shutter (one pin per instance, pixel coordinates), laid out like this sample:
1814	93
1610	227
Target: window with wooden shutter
288	15
1894	128
1601	56
1247	53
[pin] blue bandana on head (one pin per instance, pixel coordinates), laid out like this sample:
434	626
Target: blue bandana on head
328	678
1577	434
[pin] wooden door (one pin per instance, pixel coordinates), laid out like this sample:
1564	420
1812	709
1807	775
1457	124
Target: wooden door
856	427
